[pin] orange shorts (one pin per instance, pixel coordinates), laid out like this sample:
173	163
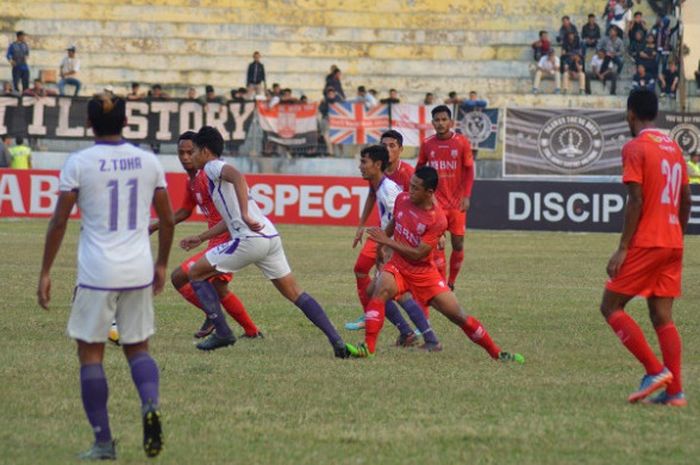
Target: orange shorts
423	286
649	272
187	264
369	249
456	221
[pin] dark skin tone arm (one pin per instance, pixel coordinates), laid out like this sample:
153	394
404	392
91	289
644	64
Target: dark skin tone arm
366	211
191	242
232	175
161	204
633	211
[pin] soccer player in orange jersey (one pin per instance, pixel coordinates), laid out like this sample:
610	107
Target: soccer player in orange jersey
450	154
649	258
197	194
416	227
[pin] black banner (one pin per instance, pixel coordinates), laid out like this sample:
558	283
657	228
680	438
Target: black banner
684	128
147	120
556	206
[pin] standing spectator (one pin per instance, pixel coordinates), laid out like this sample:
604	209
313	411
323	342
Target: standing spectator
637	25
566	27
648	57
669	80
38	90
333	80
473	103
365	98
191	93
643	80
622	16
541	46
429	98
694	167
8	90
572	62
697	79
453	99
393	97
287	97
69	72
17	54
601	69
21	155
135	93
548	66
663	41
330	97
590	34
255	79
5	155
614	48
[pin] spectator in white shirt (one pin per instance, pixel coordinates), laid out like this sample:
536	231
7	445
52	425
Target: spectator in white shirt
365	97
548	66
70	66
602	71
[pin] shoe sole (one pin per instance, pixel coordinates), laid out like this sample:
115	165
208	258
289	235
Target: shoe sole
152	434
220	346
203	334
661	383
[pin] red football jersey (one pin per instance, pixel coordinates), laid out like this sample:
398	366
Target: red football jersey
197	193
414	225
452	158
402	175
655	161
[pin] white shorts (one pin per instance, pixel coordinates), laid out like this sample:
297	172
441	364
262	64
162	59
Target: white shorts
94	310
266	253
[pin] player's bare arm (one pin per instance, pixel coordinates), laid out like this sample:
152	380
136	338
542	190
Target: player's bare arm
161	204
411	253
54	238
633	211
232	175
366	211
684	208
190	242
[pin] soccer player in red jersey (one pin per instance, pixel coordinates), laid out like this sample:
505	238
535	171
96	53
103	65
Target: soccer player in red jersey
450	154
649	258
416	227
197	194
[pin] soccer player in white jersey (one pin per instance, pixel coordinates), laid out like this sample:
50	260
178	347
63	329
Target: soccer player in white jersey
254	241
114	184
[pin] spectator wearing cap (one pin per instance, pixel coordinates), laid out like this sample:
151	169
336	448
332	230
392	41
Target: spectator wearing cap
255	79
17	55
548	66
135	93
70	65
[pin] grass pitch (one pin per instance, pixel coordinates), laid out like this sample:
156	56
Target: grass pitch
286	400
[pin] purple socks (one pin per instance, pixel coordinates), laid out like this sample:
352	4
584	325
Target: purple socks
94	392
315	313
210	301
394	315
415	313
144	372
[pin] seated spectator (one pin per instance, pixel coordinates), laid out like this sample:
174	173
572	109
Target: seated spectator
393	97
602	71
669	79
548	66
614	48
69	72
429	98
156	93
473	103
8	90
453	99
191	93
643	80
572	62
566	27
135	93
38	90
636	46
637	25
648	57
541	46
590	33
365	98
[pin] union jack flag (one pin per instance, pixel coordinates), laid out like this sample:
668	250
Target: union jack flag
352	123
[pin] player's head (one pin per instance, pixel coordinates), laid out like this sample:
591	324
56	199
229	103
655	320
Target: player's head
106	115
185	147
442	119
423	184
393	141
208	144
642	108
373	161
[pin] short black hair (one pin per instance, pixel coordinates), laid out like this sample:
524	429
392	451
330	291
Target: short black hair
19	140
361	89
19	33
565	17
591	15
157	86
452	94
5	137
393	134
187	135
644	104
543	33
429	176
638	13
210	138
441	109
135	84
376	152
107	114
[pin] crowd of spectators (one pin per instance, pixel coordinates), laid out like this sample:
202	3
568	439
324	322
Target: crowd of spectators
624	34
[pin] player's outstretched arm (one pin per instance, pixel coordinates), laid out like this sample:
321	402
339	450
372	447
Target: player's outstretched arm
161	204
366	211
685	203
54	238
190	242
232	175
633	210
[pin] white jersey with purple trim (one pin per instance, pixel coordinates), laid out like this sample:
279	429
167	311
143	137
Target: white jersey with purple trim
223	194
386	193
115	183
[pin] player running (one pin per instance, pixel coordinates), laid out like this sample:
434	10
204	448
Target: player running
450	154
399	172
197	194
416	227
114	184
254	241
648	261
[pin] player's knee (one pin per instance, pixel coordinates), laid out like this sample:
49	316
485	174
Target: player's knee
178	278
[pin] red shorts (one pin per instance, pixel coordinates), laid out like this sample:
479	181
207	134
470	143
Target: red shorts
187	264
369	249
456	221
423	286
649	272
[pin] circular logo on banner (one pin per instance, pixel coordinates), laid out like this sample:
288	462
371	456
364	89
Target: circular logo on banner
570	142
476	126
687	136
